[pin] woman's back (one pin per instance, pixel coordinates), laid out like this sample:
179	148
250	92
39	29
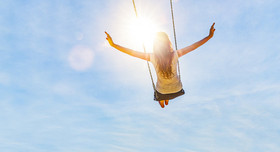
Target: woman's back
167	85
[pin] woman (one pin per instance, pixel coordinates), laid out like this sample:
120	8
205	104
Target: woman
165	60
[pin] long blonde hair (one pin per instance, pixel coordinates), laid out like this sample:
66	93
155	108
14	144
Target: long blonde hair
164	54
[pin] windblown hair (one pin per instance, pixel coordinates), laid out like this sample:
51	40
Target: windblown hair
163	54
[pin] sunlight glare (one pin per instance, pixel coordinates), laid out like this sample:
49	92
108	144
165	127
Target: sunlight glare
143	30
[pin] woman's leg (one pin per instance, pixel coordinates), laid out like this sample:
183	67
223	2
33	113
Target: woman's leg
161	102
166	102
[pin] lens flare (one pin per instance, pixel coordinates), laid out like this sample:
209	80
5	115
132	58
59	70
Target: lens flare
80	58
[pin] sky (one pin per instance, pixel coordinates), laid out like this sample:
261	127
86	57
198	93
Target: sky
64	89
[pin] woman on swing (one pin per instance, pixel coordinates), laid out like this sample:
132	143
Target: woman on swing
165	60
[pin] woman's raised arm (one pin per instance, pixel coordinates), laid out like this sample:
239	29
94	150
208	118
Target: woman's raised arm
141	55
192	47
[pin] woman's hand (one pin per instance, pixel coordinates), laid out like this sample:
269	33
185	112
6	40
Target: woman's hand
109	39
192	47
212	30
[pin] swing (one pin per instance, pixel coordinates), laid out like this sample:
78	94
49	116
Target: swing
144	48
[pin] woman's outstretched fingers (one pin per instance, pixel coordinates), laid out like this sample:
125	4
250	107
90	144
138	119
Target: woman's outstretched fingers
107	34
109	39
212	30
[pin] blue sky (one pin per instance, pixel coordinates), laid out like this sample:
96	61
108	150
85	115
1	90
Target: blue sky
63	89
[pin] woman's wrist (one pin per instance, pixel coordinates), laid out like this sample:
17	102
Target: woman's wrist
113	44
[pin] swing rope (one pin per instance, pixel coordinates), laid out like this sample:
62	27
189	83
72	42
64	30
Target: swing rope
154	87
174	33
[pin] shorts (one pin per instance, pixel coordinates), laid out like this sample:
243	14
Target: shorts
159	96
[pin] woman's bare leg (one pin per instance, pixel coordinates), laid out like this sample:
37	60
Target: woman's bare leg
161	102
166	102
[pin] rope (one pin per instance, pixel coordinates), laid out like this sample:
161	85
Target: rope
144	48
174	33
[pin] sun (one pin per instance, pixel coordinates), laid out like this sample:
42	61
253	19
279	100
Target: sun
143	30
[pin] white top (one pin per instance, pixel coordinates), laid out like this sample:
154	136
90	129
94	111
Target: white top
166	86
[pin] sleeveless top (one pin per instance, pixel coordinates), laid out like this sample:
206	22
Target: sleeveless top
164	85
